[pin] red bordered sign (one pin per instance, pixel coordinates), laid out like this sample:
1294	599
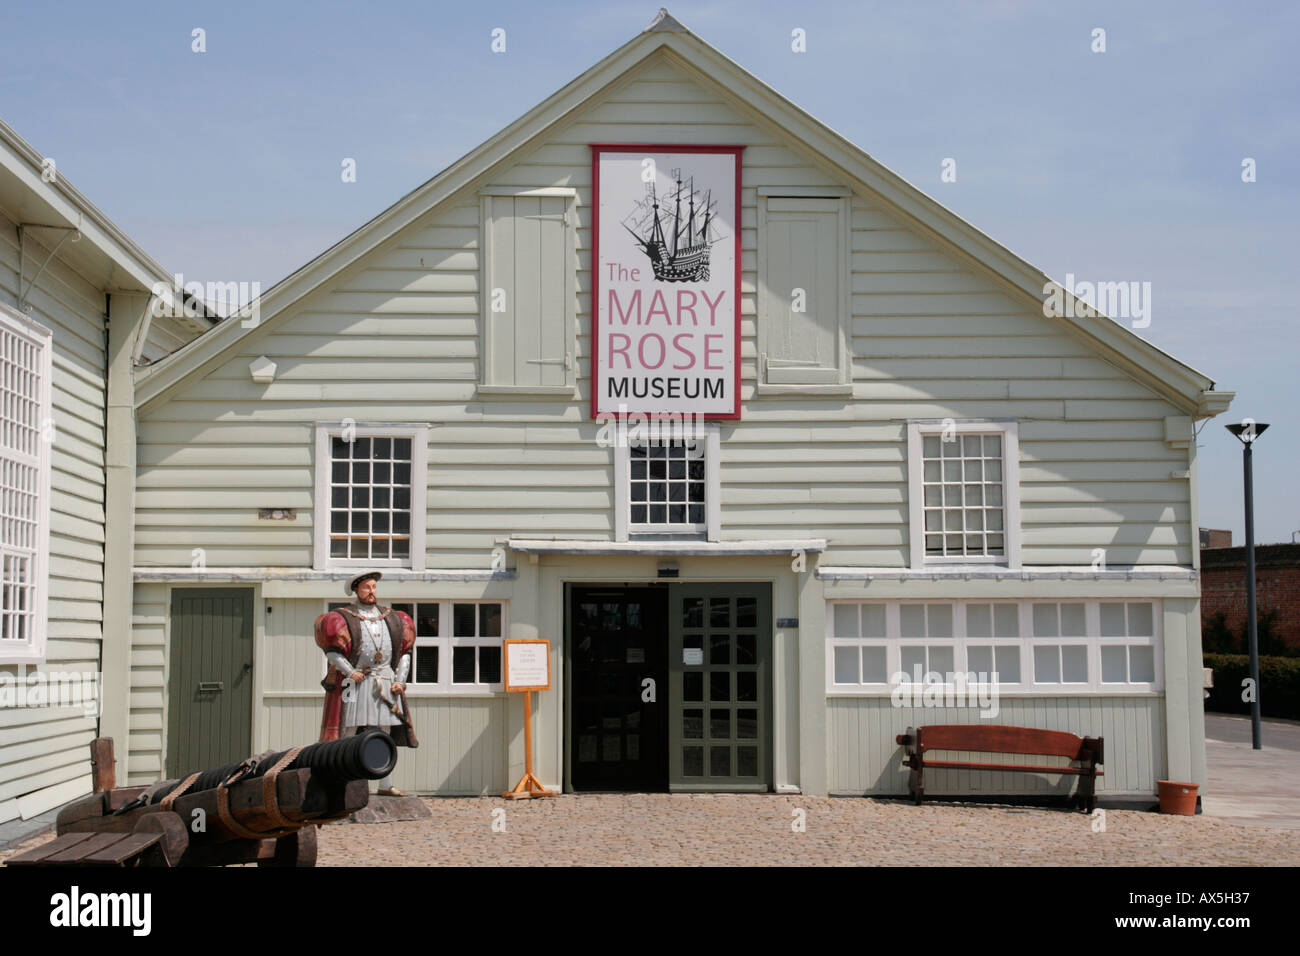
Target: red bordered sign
665	290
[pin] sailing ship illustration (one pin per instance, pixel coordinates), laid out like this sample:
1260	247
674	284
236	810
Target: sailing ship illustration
676	245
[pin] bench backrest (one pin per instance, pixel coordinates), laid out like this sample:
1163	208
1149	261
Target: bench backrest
999	739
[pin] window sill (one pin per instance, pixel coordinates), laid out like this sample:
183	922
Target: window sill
838	388
14	657
1050	690
506	391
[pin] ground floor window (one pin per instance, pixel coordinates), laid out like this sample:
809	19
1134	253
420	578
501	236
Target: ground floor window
457	645
1040	647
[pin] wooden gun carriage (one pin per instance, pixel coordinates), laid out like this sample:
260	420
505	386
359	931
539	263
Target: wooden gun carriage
264	810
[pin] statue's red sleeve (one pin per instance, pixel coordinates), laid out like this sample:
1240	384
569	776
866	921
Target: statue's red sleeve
332	633
408	633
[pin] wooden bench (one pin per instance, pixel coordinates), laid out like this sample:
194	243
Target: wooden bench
997	739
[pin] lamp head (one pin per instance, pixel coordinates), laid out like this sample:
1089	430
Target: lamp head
1248	430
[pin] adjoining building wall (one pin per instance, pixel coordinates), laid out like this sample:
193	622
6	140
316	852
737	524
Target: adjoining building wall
1277	588
44	753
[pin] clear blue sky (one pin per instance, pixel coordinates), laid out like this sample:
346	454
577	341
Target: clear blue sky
1123	165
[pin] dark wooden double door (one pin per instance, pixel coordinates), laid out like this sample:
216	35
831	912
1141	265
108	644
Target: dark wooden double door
670	687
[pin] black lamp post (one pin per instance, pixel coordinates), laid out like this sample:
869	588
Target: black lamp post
1246	433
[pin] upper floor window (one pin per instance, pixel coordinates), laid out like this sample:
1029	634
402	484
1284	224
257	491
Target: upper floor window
803	290
667	483
528	271
964	492
25	433
370	495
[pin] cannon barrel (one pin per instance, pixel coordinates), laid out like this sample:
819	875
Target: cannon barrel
369	756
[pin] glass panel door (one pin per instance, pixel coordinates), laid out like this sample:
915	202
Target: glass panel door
720	687
619	640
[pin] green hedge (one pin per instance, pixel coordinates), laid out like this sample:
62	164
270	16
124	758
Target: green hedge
1279	681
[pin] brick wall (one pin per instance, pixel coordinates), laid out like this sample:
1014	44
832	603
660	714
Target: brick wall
1277	585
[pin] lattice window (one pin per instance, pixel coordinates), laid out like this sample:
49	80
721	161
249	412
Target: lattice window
962	480
26	428
666	485
964	493
370	495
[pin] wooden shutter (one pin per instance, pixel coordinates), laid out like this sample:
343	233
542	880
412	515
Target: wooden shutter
803	248
530	259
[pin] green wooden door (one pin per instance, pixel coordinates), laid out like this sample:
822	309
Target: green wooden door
720	664
210	709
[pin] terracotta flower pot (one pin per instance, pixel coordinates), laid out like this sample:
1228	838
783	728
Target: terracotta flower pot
1179	798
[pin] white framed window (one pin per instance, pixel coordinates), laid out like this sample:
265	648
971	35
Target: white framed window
26	423
1128	643
963	492
1025	647
458	649
666	483
370	501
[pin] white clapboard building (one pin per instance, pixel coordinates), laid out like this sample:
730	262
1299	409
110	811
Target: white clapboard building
900	453
76	316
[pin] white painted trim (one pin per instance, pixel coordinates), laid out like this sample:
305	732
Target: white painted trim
622	516
713	482
1153	572
230	575
506	391
684	548
804	192
916	430
37	642
418	432
766	388
132	267
561	191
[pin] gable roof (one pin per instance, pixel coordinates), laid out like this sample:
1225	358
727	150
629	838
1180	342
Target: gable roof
103	253
1173	380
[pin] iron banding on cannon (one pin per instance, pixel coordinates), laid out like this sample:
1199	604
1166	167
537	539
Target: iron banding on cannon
368	756
263	810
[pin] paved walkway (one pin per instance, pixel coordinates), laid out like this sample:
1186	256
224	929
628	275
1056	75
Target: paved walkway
755	830
1255	787
1251	818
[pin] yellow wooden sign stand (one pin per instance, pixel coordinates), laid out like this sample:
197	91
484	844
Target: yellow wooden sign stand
528	786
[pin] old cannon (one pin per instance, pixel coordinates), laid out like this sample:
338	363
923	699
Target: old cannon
263	810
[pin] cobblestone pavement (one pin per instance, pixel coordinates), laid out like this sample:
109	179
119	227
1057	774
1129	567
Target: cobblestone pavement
755	830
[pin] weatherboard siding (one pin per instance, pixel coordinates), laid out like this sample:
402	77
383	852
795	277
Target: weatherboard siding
864	759
44	753
397	338
463	745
